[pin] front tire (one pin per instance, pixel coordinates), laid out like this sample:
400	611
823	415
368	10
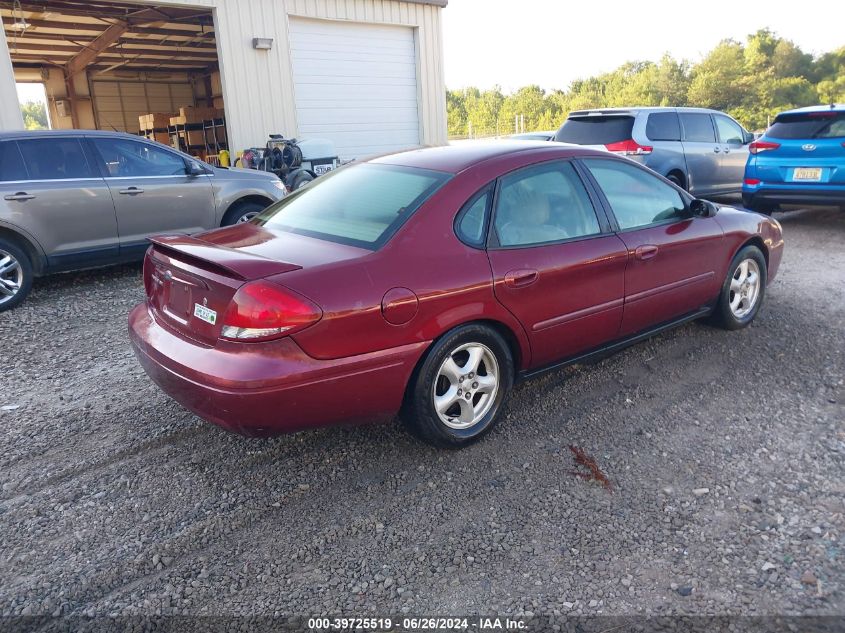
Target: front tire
16	274
242	212
457	393
743	290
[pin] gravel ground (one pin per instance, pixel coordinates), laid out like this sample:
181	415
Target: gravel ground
725	451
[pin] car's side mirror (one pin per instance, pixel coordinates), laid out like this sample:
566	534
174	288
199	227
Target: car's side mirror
748	137
194	169
703	208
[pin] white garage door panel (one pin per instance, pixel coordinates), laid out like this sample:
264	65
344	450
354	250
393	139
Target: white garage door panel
356	85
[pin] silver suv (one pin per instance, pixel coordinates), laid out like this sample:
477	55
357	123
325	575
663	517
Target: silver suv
80	199
703	151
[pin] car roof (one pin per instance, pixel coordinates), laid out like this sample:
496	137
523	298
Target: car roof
463	155
832	107
18	134
636	110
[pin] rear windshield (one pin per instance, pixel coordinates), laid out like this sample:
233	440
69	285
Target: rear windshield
361	205
595	130
811	125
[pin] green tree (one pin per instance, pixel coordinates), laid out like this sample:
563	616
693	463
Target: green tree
34	115
753	81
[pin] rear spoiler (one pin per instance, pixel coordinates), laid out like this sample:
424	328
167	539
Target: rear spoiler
237	263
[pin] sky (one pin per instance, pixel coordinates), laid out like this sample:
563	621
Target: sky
514	43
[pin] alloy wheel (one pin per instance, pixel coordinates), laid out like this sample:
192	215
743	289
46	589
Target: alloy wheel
745	288
246	217
466	385
11	276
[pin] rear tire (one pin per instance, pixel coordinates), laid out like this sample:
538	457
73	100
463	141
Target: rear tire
242	212
16	274
677	179
456	395
743	290
300	180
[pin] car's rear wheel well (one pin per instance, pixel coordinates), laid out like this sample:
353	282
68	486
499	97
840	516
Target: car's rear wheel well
28	247
503	330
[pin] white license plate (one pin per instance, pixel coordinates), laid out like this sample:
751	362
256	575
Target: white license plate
205	314
322	169
807	173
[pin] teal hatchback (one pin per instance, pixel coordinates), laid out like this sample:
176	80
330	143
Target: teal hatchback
799	160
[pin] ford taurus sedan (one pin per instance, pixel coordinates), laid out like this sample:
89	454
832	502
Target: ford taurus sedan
425	283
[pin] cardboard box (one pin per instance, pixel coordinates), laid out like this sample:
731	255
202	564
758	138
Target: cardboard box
161	137
195	137
195	114
177	120
218	103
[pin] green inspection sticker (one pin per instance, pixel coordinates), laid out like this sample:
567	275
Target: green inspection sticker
203	313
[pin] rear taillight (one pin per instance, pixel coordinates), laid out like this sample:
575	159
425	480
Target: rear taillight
629	148
757	147
261	310
752	182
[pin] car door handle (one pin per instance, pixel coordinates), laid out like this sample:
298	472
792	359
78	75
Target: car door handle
717	149
20	195
521	278
131	191
727	150
646	252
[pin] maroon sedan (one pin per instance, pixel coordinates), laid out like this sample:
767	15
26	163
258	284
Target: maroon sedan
427	282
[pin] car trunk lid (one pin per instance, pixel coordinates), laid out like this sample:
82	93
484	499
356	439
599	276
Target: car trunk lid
190	283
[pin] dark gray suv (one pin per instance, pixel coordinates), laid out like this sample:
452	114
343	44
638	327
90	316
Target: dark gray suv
80	199
704	151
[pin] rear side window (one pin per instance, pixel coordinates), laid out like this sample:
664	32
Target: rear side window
471	220
361	205
11	163
698	128
55	159
596	130
663	126
808	126
636	196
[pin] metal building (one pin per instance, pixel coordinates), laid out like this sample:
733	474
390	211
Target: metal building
366	74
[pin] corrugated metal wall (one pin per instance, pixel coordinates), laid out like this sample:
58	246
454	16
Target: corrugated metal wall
10	113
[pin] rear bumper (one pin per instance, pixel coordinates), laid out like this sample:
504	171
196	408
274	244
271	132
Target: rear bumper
794	194
264	389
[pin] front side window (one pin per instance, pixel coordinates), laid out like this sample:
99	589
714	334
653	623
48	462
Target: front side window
11	163
636	197
361	205
698	128
125	158
546	203
55	159
729	130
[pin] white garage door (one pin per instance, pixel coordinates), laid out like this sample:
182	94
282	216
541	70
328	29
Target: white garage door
356	85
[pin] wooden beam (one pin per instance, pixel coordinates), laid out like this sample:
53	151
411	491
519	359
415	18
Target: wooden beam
106	61
122	51
79	62
174	30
